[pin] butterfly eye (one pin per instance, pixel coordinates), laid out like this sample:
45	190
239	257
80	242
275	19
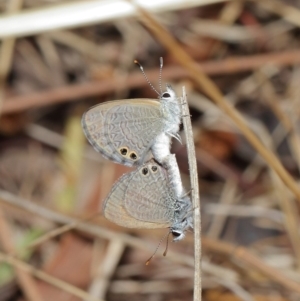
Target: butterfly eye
145	171
166	95
133	156
154	168
176	234
123	151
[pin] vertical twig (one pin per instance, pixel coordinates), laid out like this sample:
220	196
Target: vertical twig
195	195
7	50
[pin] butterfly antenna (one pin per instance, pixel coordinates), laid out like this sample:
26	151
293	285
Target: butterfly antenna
162	239
160	72
167	245
148	81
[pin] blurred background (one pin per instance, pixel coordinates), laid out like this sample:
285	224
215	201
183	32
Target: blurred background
57	59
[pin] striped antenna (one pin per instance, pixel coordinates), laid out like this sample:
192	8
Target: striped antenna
148	81
160	72
165	253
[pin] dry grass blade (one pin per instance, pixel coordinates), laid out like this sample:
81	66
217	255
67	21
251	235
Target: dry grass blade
59	231
241	253
195	196
72	92
215	94
287	12
82	13
287	204
28	284
47	278
105	270
211	245
6	51
88	228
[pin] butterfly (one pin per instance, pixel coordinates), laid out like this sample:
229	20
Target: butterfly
128	131
145	198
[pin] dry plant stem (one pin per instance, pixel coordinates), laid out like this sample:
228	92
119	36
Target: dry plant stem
59	231
291	216
287	12
228	197
287	204
195	195
78	43
81	13
148	287
26	282
215	94
241	253
72	92
28	269
97	231
106	269
6	50
94	230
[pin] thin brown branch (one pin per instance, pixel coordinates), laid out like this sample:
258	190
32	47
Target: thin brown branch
94	230
242	254
27	283
97	231
135	80
47	278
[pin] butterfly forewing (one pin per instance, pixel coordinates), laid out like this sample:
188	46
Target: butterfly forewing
123	131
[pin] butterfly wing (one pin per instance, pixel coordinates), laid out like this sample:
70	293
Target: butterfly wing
148	196
124	131
114	206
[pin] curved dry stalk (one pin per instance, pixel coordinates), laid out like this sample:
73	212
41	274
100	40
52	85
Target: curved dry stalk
46	277
210	89
195	195
287	12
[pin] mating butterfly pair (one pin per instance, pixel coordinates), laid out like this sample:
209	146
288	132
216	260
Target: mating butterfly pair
130	132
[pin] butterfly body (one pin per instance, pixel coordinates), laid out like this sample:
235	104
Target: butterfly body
145	198
128	131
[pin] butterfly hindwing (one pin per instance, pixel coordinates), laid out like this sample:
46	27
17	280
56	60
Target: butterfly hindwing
148	196
139	200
